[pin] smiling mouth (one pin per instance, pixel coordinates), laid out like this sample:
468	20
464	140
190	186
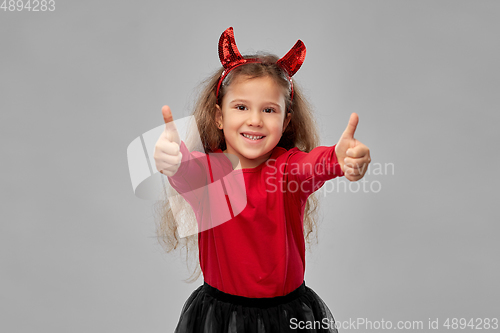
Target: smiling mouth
251	137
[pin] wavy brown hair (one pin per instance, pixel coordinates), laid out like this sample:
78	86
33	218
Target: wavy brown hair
301	132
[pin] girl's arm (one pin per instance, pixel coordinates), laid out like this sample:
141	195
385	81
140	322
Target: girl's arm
311	170
185	170
192	172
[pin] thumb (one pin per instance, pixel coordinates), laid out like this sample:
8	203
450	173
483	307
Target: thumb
351	127
170	128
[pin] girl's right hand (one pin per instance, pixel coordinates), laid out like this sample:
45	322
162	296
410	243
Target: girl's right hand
167	154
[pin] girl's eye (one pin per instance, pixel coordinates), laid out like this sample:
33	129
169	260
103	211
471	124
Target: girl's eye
242	107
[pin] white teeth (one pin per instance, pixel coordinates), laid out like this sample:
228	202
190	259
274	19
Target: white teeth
252	137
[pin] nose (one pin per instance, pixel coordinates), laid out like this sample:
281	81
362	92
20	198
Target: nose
255	118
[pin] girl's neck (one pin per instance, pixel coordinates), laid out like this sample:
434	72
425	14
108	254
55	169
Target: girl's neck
237	163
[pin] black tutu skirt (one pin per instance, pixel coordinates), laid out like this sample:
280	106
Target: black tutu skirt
209	310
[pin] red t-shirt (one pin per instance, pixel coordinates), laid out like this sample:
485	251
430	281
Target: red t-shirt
248	246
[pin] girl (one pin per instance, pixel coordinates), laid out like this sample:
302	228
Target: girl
254	123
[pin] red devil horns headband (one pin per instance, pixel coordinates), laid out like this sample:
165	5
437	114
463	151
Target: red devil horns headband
231	58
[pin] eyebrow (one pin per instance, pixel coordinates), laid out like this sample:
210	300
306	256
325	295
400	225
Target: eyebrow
245	101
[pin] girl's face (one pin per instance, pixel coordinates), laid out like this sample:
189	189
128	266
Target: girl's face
255	107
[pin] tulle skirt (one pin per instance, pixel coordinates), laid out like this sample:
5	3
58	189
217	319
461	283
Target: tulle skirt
210	310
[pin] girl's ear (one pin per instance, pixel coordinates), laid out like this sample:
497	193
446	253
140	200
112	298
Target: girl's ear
218	116
288	117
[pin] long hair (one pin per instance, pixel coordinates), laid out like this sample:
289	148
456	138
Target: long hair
301	132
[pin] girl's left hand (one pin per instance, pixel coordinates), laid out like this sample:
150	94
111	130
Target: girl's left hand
352	155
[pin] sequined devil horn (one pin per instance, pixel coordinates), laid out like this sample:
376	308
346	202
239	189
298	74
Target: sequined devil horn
292	61
229	55
228	52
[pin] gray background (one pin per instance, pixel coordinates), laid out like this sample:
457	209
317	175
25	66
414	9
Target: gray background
77	85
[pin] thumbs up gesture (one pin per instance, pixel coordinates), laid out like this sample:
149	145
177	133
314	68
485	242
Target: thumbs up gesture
167	154
352	155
